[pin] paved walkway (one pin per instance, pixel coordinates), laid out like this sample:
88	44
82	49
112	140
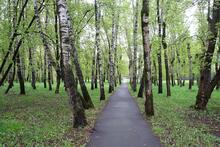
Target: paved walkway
121	124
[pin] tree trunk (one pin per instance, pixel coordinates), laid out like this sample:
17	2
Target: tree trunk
204	91
12	20
141	89
155	73
217	66
149	109
99	51
32	60
49	67
18	45
166	59
130	57
190	67
20	75
116	74
58	76
75	101
93	69
79	73
111	52
13	38
172	67
96	73
135	35
11	79
159	54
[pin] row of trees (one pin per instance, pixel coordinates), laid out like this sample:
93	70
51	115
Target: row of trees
206	82
79	41
42	40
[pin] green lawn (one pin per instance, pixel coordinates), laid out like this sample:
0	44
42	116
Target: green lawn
179	125
42	118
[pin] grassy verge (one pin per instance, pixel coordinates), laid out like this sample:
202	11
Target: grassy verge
42	118
179	125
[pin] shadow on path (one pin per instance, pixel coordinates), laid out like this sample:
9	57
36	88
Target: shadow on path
122	125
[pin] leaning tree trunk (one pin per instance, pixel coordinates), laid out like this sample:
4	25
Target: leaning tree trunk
76	103
78	68
135	35
190	67
18	45
99	52
12	41
149	109
11	79
47	49
13	22
159	54
204	86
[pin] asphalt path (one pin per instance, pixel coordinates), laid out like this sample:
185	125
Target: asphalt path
122	125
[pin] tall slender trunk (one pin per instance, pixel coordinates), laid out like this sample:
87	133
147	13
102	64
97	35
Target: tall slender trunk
141	89
111	52
166	59
32	60
96	73
155	73
20	75
190	66
149	109
204	92
129	53
217	66
99	52
116	74
58	76
93	69
159	54
79	118
179	75
135	35
49	66
172	67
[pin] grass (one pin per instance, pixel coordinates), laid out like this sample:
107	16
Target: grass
179	125
42	118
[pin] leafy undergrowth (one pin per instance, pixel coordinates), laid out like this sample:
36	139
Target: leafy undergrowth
177	124
42	118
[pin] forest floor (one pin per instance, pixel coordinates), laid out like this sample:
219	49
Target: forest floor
42	118
178	124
